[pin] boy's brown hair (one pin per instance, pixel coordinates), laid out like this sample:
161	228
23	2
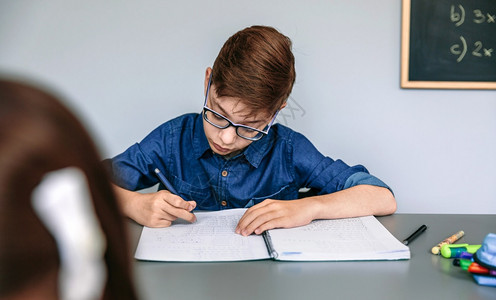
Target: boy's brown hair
256	65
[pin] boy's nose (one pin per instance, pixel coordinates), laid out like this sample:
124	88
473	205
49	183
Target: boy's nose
228	135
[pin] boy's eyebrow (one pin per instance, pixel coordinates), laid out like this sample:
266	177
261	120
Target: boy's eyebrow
252	122
214	102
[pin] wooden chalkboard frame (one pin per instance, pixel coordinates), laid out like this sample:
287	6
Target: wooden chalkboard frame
405	61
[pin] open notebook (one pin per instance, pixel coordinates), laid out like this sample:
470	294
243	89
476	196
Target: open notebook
212	238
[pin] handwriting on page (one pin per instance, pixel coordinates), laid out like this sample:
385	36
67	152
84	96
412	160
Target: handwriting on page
337	236
206	239
345	229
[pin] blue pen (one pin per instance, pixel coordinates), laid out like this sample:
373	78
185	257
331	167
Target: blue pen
164	180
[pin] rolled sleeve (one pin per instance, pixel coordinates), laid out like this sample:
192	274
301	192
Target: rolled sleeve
365	178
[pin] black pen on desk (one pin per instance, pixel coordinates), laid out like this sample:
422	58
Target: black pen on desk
268	243
414	235
164	180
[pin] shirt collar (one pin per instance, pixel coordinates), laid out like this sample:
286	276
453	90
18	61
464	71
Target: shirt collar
257	150
254	153
200	142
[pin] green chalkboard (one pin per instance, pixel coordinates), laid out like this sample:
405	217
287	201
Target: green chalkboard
448	44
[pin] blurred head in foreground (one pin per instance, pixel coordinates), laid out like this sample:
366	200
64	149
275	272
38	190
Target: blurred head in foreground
61	232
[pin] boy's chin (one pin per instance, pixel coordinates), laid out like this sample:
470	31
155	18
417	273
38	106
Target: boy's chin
227	154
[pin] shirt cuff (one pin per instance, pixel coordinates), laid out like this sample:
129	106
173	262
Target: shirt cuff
365	178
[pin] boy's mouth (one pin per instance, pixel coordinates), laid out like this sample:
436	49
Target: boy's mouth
220	149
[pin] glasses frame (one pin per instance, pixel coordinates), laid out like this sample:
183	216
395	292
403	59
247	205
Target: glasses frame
231	123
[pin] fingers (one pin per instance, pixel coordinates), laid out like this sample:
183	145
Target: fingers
273	214
247	219
164	208
176	201
176	207
263	216
158	223
271	224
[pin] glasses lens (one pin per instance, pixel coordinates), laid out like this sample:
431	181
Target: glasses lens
249	133
220	122
216	119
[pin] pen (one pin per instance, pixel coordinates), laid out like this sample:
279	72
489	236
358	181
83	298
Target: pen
414	235
456	250
462	263
478	269
462	255
268	242
473	267
455	237
164	180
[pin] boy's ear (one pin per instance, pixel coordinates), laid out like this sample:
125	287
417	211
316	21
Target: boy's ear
283	105
207	77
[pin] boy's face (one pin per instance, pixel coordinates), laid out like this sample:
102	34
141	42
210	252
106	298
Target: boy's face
227	142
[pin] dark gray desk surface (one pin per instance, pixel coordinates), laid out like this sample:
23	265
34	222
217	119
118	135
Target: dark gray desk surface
424	276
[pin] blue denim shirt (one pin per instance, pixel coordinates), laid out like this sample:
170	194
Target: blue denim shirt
274	167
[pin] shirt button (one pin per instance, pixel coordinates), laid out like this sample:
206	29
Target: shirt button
223	203
224	173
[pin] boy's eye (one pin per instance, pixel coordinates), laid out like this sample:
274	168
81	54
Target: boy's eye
217	117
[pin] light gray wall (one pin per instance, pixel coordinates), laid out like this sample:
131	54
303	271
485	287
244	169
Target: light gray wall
127	66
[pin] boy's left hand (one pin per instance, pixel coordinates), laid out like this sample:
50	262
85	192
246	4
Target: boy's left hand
271	214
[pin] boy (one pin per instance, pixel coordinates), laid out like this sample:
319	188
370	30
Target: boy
232	155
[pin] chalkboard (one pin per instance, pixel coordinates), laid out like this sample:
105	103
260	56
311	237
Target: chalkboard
448	44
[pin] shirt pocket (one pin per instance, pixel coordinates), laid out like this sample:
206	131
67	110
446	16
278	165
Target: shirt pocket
287	192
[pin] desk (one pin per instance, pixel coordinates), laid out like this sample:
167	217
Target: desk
424	276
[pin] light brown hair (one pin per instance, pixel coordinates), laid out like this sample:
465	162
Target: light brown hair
39	135
256	65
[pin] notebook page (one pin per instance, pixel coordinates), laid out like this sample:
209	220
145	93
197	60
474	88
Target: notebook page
363	238
210	238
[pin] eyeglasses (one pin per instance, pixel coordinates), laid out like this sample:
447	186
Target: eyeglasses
219	121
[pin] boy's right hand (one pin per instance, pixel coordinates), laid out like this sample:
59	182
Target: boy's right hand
158	209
